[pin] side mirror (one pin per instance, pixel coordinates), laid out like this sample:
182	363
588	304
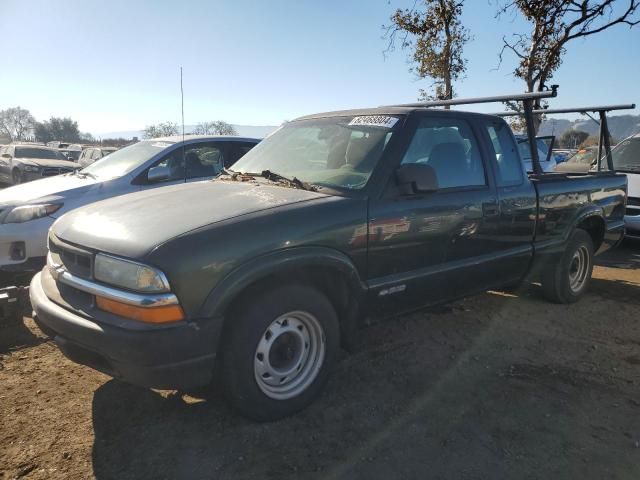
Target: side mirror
416	178
158	174
6	155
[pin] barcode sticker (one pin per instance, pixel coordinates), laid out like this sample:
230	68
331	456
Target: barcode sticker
383	121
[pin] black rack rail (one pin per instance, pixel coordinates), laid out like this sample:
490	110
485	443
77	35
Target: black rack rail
604	141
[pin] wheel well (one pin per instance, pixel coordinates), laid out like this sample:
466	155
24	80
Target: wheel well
334	283
594	226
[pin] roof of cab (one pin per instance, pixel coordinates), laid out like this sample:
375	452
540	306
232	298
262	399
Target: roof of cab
391	110
178	138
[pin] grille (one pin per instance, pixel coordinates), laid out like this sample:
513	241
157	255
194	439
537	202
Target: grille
52	171
75	261
633	201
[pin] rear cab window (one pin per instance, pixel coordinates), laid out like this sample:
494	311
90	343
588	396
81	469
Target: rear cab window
510	170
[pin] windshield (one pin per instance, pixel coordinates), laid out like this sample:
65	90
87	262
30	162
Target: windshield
583	157
42	153
525	150
626	155
335	152
127	159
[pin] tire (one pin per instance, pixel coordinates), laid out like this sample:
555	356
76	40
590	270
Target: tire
568	279
16	177
278	351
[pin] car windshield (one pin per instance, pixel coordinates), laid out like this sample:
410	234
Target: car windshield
43	153
335	152
127	159
525	149
626	155
583	157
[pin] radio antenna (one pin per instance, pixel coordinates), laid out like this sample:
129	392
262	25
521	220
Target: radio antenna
184	161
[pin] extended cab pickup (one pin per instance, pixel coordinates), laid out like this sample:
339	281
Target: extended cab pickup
261	274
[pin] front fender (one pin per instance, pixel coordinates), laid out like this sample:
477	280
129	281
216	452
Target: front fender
261	267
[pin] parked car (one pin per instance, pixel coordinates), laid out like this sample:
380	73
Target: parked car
58	144
545	155
27	211
91	154
263	273
20	163
626	159
582	161
563	154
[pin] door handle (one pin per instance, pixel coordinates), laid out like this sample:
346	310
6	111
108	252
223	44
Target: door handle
490	209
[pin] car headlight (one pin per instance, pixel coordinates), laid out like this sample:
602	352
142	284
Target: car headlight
129	275
31	168
25	213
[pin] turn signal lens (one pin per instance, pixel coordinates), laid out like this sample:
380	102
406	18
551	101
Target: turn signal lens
165	314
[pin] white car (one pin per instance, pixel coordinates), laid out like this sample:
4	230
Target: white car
28	210
626	159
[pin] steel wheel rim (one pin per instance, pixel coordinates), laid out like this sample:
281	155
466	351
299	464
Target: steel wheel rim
579	268
289	355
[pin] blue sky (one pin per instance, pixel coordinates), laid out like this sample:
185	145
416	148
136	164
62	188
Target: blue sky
114	65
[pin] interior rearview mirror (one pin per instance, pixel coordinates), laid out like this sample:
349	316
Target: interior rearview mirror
158	174
416	178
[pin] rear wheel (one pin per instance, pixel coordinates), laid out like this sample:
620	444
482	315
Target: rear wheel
568	279
278	352
16	176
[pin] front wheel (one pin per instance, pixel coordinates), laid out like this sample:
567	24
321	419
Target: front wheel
568	279
278	351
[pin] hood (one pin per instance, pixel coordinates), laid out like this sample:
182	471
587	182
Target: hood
27	192
43	162
132	225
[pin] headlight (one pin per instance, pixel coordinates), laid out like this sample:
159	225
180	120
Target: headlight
25	213
31	168
129	275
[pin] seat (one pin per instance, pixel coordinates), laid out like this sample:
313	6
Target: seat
449	160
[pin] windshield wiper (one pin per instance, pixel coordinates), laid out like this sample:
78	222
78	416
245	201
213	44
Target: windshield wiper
294	182
85	174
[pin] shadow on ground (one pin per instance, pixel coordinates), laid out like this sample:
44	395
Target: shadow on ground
497	386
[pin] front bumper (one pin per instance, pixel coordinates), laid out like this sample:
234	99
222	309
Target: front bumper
33	236
180	356
632	226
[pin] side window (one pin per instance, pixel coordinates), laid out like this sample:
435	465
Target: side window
450	147
96	154
237	151
199	160
510	168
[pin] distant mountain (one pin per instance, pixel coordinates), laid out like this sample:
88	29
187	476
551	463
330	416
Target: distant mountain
252	131
620	126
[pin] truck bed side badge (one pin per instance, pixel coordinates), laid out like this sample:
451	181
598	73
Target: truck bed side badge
392	290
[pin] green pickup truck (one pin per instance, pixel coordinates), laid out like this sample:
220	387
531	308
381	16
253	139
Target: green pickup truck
252	282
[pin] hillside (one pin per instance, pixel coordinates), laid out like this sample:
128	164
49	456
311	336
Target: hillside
621	126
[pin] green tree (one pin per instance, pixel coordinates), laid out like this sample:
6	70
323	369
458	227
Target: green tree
16	123
56	128
573	138
552	25
217	127
164	129
436	37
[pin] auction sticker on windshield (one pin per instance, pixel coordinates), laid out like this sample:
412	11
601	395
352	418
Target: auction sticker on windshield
161	144
383	121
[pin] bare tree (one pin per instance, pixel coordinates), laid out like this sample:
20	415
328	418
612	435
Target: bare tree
437	38
164	129
16	123
218	127
553	24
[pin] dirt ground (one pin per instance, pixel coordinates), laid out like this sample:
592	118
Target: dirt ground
495	386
